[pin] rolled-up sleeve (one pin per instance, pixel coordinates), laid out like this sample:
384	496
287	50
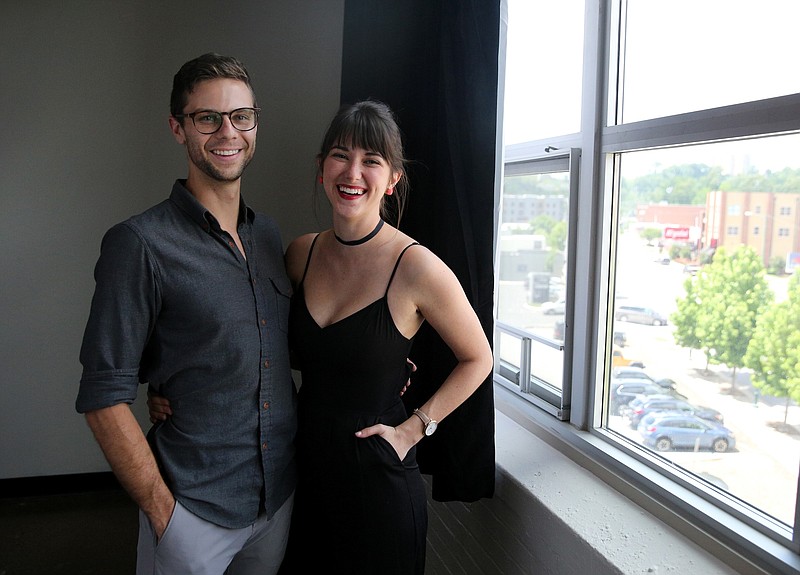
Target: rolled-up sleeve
124	307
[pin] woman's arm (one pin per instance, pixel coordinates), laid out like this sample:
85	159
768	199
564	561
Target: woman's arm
429	288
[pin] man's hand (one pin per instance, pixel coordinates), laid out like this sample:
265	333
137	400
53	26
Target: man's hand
411	367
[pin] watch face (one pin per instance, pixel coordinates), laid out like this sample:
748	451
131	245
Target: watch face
430	428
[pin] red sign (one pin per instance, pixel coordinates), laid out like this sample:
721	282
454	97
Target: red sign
676	233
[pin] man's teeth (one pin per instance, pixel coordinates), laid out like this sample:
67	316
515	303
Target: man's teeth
351	191
225	152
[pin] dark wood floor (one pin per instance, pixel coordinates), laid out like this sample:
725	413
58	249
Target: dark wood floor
52	531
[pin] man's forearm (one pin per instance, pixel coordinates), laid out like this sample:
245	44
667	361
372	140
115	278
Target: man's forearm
125	447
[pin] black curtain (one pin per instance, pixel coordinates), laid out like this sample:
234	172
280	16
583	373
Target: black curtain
435	63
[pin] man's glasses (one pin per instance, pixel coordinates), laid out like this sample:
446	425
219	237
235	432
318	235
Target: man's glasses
209	121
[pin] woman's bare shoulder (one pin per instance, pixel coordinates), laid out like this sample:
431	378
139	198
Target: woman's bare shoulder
296	256
418	259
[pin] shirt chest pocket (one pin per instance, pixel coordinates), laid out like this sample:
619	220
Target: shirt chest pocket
279	295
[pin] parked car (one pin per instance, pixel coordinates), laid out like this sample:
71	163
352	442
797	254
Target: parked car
620	338
554	307
691	269
618	359
639	314
666	430
624	390
640	406
637	372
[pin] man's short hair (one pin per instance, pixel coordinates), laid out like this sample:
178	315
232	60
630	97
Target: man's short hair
209	66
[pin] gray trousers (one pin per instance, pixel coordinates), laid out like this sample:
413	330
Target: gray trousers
193	546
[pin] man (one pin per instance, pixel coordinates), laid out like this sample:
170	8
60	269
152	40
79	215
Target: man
192	297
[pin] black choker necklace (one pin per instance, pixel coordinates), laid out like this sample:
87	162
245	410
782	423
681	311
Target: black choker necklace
363	240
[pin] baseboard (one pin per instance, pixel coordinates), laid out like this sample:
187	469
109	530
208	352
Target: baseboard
58	484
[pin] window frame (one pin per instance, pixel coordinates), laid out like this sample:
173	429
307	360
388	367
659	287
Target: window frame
520	377
654	484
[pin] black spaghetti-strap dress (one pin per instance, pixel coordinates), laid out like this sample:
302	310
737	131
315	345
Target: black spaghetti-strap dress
359	509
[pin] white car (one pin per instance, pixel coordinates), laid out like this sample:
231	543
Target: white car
554	307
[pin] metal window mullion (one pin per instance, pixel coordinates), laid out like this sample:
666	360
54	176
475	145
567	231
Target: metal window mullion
525	365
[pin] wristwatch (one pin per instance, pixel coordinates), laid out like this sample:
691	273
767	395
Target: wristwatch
430	424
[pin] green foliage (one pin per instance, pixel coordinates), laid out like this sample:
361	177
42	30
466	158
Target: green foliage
542	224
722	305
555	231
537	185
685	317
650	234
739	295
774	350
777	266
706	258
557	237
690	183
787	180
684	184
680	251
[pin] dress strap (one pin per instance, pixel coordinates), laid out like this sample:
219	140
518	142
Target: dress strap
308	260
397	263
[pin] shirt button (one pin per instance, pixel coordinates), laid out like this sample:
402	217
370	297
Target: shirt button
231	244
266	405
263	322
266	363
264	446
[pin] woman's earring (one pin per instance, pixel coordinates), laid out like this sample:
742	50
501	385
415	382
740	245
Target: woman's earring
319	178
389	191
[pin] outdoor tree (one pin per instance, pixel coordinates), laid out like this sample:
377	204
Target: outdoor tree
774	350
731	293
685	317
650	234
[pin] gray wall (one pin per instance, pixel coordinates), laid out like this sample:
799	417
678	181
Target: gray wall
84	93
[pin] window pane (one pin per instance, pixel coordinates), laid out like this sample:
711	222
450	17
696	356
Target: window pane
544	61
532	274
706	235
685	55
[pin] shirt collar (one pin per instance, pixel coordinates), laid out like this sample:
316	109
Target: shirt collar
184	199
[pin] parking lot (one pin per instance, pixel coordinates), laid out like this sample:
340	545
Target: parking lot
763	468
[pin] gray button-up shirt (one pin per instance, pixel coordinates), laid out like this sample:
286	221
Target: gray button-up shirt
176	305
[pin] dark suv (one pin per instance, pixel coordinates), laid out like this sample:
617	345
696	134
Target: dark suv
642	405
625	390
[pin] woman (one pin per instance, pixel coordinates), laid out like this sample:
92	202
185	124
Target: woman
362	291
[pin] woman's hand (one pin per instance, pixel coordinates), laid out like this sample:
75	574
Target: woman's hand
400	438
157	406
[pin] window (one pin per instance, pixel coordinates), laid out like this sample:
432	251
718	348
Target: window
675	217
554	30
533	278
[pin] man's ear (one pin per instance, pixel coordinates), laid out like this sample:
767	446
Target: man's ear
176	128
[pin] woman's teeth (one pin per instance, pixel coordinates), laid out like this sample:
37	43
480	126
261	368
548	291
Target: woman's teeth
350	191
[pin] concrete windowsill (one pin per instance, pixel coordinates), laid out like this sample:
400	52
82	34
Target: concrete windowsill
606	518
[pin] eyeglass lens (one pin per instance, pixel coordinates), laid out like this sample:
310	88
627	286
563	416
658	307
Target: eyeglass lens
208	122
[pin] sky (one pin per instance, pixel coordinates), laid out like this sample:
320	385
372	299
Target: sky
681	55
